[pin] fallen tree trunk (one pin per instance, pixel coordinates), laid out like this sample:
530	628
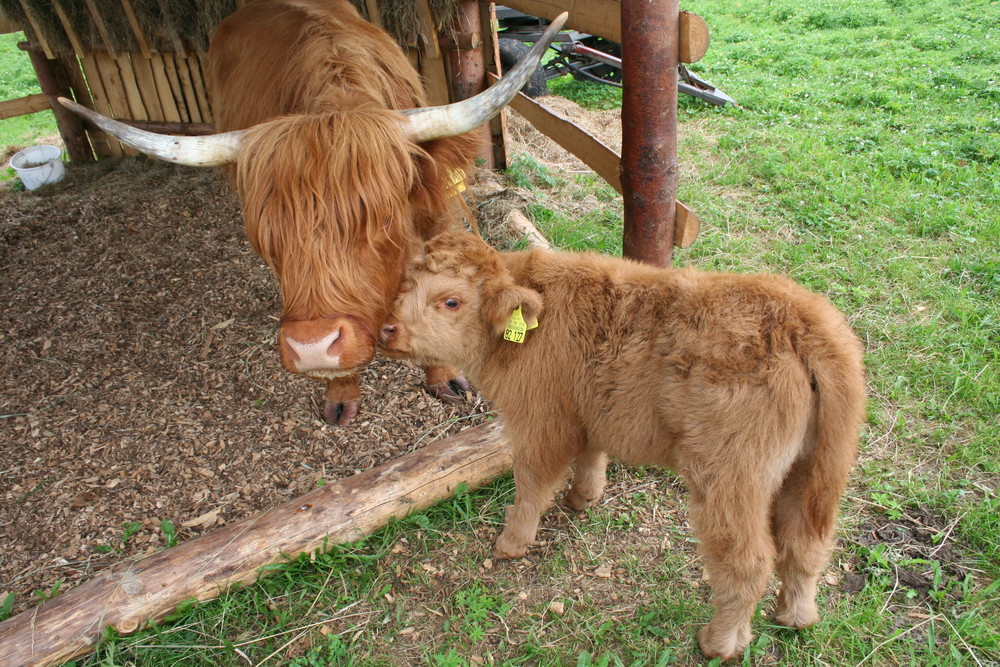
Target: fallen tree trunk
134	592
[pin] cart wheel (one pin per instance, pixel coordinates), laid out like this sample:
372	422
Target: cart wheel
513	50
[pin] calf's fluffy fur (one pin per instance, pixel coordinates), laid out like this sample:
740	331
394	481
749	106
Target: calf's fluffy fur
749	386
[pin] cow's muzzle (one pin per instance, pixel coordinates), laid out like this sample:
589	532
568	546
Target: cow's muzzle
326	348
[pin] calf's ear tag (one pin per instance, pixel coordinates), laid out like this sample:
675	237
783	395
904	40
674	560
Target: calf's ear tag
517	327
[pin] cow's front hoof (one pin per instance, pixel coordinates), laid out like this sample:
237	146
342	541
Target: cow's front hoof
451	392
340	414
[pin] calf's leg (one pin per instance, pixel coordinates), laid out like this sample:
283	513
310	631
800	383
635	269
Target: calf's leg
729	514
802	551
589	478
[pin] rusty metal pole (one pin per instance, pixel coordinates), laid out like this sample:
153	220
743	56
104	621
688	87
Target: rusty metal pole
649	128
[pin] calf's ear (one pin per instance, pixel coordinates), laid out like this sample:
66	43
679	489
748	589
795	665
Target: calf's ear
500	302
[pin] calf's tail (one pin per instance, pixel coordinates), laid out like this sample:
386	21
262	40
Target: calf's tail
839	383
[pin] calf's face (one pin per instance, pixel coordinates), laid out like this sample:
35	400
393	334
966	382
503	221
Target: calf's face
454	304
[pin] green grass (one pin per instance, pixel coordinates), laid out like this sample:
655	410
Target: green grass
863	162
17	79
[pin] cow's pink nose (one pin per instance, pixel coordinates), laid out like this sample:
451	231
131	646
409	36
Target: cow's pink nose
388	333
325	347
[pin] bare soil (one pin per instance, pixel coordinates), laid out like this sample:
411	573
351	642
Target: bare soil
141	380
140	374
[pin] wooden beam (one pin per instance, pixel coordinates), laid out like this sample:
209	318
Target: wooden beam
54	84
603	18
36	31
595	154
140	37
22	106
597	17
135	592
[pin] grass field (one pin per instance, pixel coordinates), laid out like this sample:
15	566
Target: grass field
17	79
863	161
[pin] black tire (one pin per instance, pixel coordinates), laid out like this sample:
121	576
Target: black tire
512	51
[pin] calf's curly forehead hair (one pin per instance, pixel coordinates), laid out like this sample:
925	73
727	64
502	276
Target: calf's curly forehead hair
456	253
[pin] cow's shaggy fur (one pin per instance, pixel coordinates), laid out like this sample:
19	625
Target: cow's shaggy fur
334	195
749	386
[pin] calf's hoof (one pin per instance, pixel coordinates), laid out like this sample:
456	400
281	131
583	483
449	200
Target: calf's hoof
506	548
580	501
792	615
726	643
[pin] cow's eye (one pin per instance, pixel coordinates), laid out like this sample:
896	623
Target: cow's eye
451	304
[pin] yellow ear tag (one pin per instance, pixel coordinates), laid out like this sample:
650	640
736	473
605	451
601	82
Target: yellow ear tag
458	180
516	327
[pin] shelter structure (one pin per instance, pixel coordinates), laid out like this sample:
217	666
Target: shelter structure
145	63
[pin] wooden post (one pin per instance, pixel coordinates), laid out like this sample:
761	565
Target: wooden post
134	592
649	128
54	84
468	66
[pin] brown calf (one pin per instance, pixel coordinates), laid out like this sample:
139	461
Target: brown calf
749	386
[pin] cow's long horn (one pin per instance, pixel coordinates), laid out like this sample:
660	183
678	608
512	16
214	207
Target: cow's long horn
429	123
205	151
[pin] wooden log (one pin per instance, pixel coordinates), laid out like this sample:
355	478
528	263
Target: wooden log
22	106
649	167
54	85
170	127
131	593
523	229
693	39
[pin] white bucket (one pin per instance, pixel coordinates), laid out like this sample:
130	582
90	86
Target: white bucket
38	166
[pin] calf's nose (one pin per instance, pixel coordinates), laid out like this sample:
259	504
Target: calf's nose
389	332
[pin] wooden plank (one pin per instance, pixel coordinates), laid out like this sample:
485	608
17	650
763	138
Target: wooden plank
136	104
168	105
140	37
68	28
102	29
37	33
426	31
597	17
111	79
176	90
22	106
187	86
82	93
374	13
570	136
200	89
104	145
134	592
147	87
491	57
686	226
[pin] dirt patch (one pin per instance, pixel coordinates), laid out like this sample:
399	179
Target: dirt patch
141	380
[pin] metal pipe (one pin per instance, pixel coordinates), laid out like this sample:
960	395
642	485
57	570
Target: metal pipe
650	35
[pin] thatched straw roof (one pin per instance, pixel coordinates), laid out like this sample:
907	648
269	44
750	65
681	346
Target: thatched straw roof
166	24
